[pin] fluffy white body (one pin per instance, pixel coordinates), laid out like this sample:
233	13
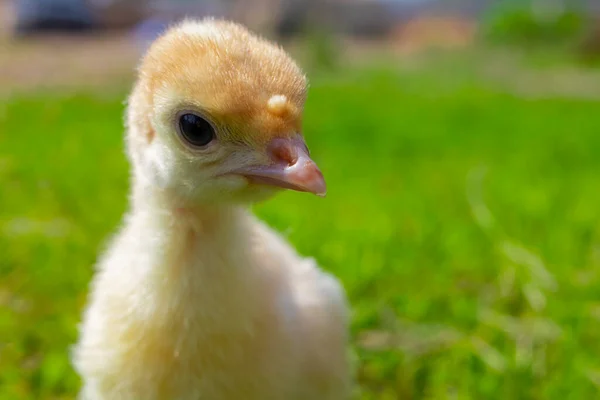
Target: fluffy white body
195	299
211	308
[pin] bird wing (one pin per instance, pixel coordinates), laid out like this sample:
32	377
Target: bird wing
321	313
313	287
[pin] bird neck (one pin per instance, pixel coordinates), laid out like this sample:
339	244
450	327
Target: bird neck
197	261
193	246
164	202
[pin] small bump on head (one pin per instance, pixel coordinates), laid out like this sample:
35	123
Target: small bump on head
278	105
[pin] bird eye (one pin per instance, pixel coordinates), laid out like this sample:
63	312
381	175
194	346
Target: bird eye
196	130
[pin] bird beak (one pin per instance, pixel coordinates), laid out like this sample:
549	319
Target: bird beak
291	168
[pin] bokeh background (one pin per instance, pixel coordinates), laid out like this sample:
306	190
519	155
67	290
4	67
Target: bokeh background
460	141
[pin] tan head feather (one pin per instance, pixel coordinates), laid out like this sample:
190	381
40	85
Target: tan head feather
242	82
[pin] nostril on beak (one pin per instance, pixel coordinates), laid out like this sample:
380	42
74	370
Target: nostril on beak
282	152
289	167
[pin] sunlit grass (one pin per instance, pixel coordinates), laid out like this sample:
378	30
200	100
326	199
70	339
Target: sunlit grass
462	219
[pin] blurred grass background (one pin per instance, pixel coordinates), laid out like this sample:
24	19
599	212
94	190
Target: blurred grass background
462	217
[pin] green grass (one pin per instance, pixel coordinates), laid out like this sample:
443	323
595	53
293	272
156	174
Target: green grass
462	219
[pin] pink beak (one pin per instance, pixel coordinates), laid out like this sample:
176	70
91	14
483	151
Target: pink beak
291	168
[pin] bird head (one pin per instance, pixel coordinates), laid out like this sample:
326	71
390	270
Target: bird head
216	114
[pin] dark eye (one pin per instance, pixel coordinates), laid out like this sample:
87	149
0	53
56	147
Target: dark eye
196	130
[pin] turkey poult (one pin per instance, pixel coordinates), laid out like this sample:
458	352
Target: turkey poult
195	298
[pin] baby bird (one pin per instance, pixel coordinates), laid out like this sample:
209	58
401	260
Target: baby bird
195	298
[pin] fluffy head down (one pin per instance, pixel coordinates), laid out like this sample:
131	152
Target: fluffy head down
249	90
